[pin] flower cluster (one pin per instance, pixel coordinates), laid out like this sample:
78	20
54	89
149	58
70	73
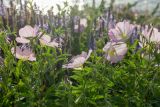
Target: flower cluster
23	49
116	48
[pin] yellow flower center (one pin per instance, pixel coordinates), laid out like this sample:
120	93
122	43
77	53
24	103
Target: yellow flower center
111	52
124	35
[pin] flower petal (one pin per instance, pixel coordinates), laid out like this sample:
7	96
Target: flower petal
115	51
45	39
22	40
27	31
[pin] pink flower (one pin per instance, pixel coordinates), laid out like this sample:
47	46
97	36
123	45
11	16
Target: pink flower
149	35
25	33
121	32
28	31
152	34
22	40
24	54
115	51
46	40
77	61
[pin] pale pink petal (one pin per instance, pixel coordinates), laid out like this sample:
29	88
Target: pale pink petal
114	35
114	59
22	40
35	30
107	46
18	53
25	54
115	51
121	48
121	26
27	31
151	35
45	39
32	57
122	31
53	44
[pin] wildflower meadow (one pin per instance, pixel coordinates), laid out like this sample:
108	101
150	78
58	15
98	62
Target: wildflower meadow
97	56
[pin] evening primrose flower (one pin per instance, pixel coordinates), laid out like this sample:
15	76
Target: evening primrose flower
151	34
22	40
46	40
23	53
25	33
121	32
77	61
28	31
115	51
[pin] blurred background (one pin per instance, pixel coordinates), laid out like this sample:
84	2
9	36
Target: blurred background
142	6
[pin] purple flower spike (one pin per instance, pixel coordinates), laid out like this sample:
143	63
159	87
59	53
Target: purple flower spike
36	30
134	35
80	27
2	10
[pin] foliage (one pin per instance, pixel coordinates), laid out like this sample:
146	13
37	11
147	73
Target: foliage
133	82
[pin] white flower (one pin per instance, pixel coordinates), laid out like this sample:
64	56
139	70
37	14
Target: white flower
24	54
25	33
78	61
46	40
22	40
121	32
115	51
28	31
151	34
